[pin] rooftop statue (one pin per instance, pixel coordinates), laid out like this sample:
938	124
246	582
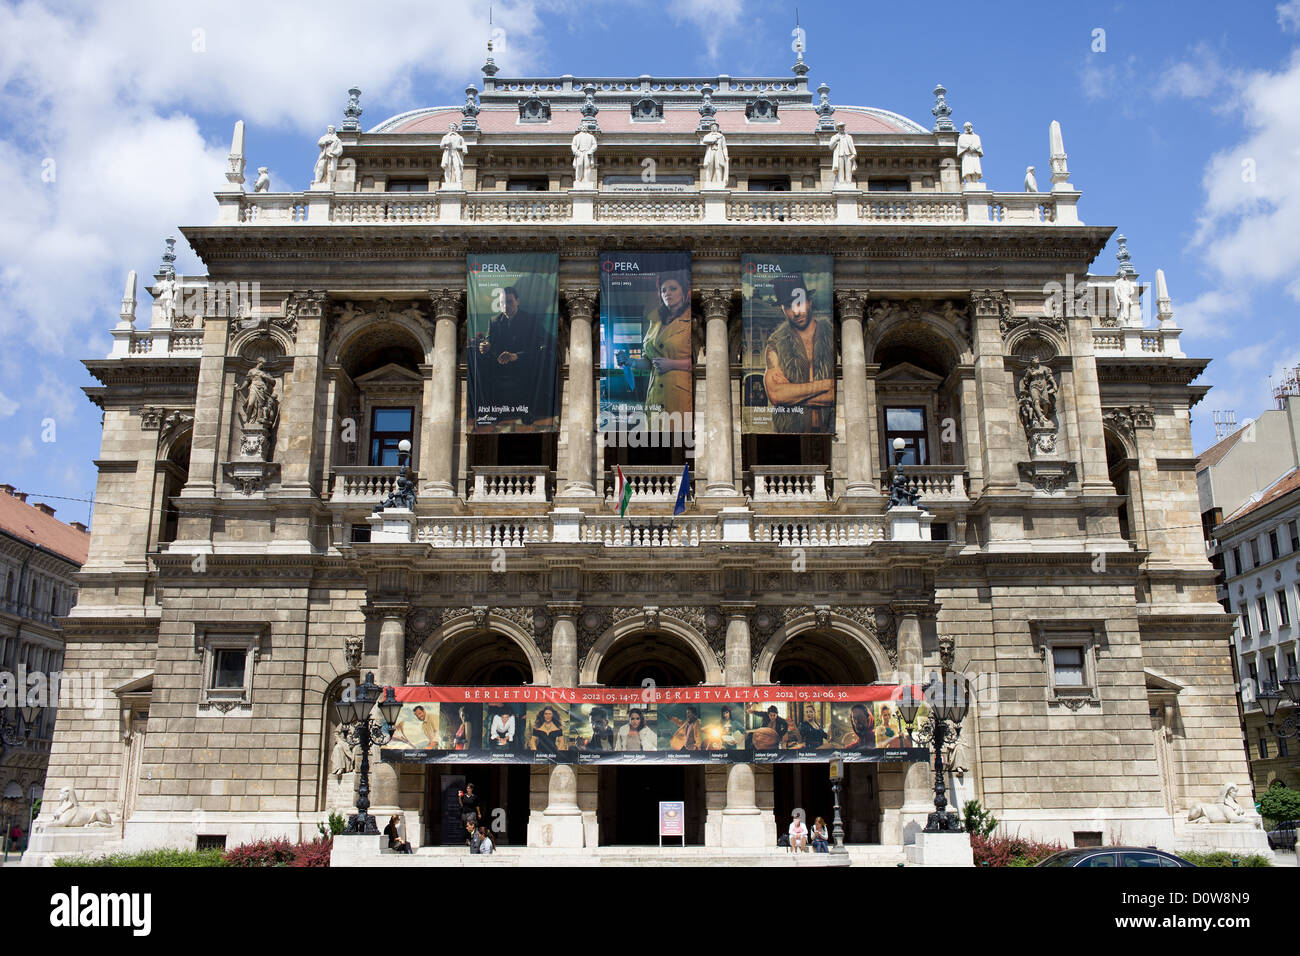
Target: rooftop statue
969	149
717	164
1031	181
844	156
453	158
584	159
1127	311
263	183
327	164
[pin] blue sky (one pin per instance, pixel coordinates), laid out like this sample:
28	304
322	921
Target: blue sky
1183	132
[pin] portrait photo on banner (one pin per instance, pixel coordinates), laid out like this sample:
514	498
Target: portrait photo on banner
512	313
646	323
788	360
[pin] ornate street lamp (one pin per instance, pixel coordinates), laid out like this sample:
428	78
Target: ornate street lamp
355	715
17	723
1269	699
837	824
948	704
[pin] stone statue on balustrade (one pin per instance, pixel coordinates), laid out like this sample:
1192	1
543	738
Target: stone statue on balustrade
327	164
844	156
164	292
717	163
584	159
453	158
402	496
263	183
1031	181
969	150
1128	313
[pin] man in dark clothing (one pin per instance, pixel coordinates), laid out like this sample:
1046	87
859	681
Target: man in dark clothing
517	364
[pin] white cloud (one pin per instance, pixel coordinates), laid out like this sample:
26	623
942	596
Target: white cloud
714	18
7	405
1198	76
1210	315
1288	15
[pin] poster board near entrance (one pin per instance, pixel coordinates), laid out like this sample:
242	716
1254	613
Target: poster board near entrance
669	725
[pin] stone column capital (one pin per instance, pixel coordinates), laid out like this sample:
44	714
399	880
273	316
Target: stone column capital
852	303
564	609
580	302
917	609
990	303
716	303
387	610
446	302
737	609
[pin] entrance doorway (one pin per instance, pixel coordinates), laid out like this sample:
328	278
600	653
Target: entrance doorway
629	803
503	798
807	787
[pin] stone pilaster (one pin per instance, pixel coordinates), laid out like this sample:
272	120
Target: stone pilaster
1004	443
860	470
918	788
737	652
437	468
299	414
580	479
384	784
564	644
717	391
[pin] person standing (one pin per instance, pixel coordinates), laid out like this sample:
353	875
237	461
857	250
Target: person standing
800	363
470	811
485	844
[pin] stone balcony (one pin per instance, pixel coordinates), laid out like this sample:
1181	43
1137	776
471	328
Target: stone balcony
508	485
788	483
651	484
937	484
575	206
363	484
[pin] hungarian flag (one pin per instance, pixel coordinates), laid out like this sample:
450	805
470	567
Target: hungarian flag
683	489
623	492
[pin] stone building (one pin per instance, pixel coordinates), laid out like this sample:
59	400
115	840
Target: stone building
39	559
236	589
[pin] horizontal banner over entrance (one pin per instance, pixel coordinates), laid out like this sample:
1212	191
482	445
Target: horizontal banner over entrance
632	725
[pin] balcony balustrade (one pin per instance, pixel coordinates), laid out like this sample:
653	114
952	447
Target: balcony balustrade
366	484
788	483
650	483
937	484
507	485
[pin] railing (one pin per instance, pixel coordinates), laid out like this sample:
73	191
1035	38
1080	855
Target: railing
917	207
788	483
820	530
505	485
648	209
648	482
369	207
366	208
679	532
936	483
1111	340
781	210
483	532
480	209
369	484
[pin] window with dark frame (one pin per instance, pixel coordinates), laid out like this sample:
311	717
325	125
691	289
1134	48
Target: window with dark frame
1295	535
1273	552
909	425
1283	610
1254	553
228	668
889	185
1067	665
388	426
1263	745
1236	561
1272	672
770	184
531	185
1244	611
1264	624
407	186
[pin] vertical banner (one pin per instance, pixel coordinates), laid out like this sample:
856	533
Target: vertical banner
645	342
513	313
789	362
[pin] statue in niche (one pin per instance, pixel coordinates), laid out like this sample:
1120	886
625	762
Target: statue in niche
344	757
327	165
259	405
453	158
717	162
1037	395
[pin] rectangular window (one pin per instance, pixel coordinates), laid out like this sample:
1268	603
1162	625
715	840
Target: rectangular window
1295	535
777	184
1264	625
1272	672
1067	665
1282	750
1254	553
1236	561
889	186
1273	553
527	185
228	669
1254	677
909	425
407	185
388	426
1263	745
1290	664
1283	611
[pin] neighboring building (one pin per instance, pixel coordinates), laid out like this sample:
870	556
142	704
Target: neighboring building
238	583
1250	499
39	558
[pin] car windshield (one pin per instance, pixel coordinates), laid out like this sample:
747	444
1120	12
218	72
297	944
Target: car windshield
1063	858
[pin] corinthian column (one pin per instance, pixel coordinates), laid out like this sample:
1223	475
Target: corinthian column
438	450
857	414
581	423
717	394
391	671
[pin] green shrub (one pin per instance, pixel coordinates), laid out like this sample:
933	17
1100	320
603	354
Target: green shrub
1279	802
332	827
166	856
1225	859
977	820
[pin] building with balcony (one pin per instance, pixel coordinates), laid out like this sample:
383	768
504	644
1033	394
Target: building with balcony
1250	499
239	582
39	559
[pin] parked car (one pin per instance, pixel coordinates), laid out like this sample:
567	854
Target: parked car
1282	836
1114	856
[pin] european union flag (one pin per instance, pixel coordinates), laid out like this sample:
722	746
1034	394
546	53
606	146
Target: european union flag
683	489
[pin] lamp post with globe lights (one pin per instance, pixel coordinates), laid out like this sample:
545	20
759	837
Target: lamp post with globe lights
354	712
947	704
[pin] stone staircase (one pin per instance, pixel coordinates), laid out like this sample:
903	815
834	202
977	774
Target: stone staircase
641	856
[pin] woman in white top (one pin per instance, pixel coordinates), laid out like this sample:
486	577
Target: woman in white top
635	735
798	834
